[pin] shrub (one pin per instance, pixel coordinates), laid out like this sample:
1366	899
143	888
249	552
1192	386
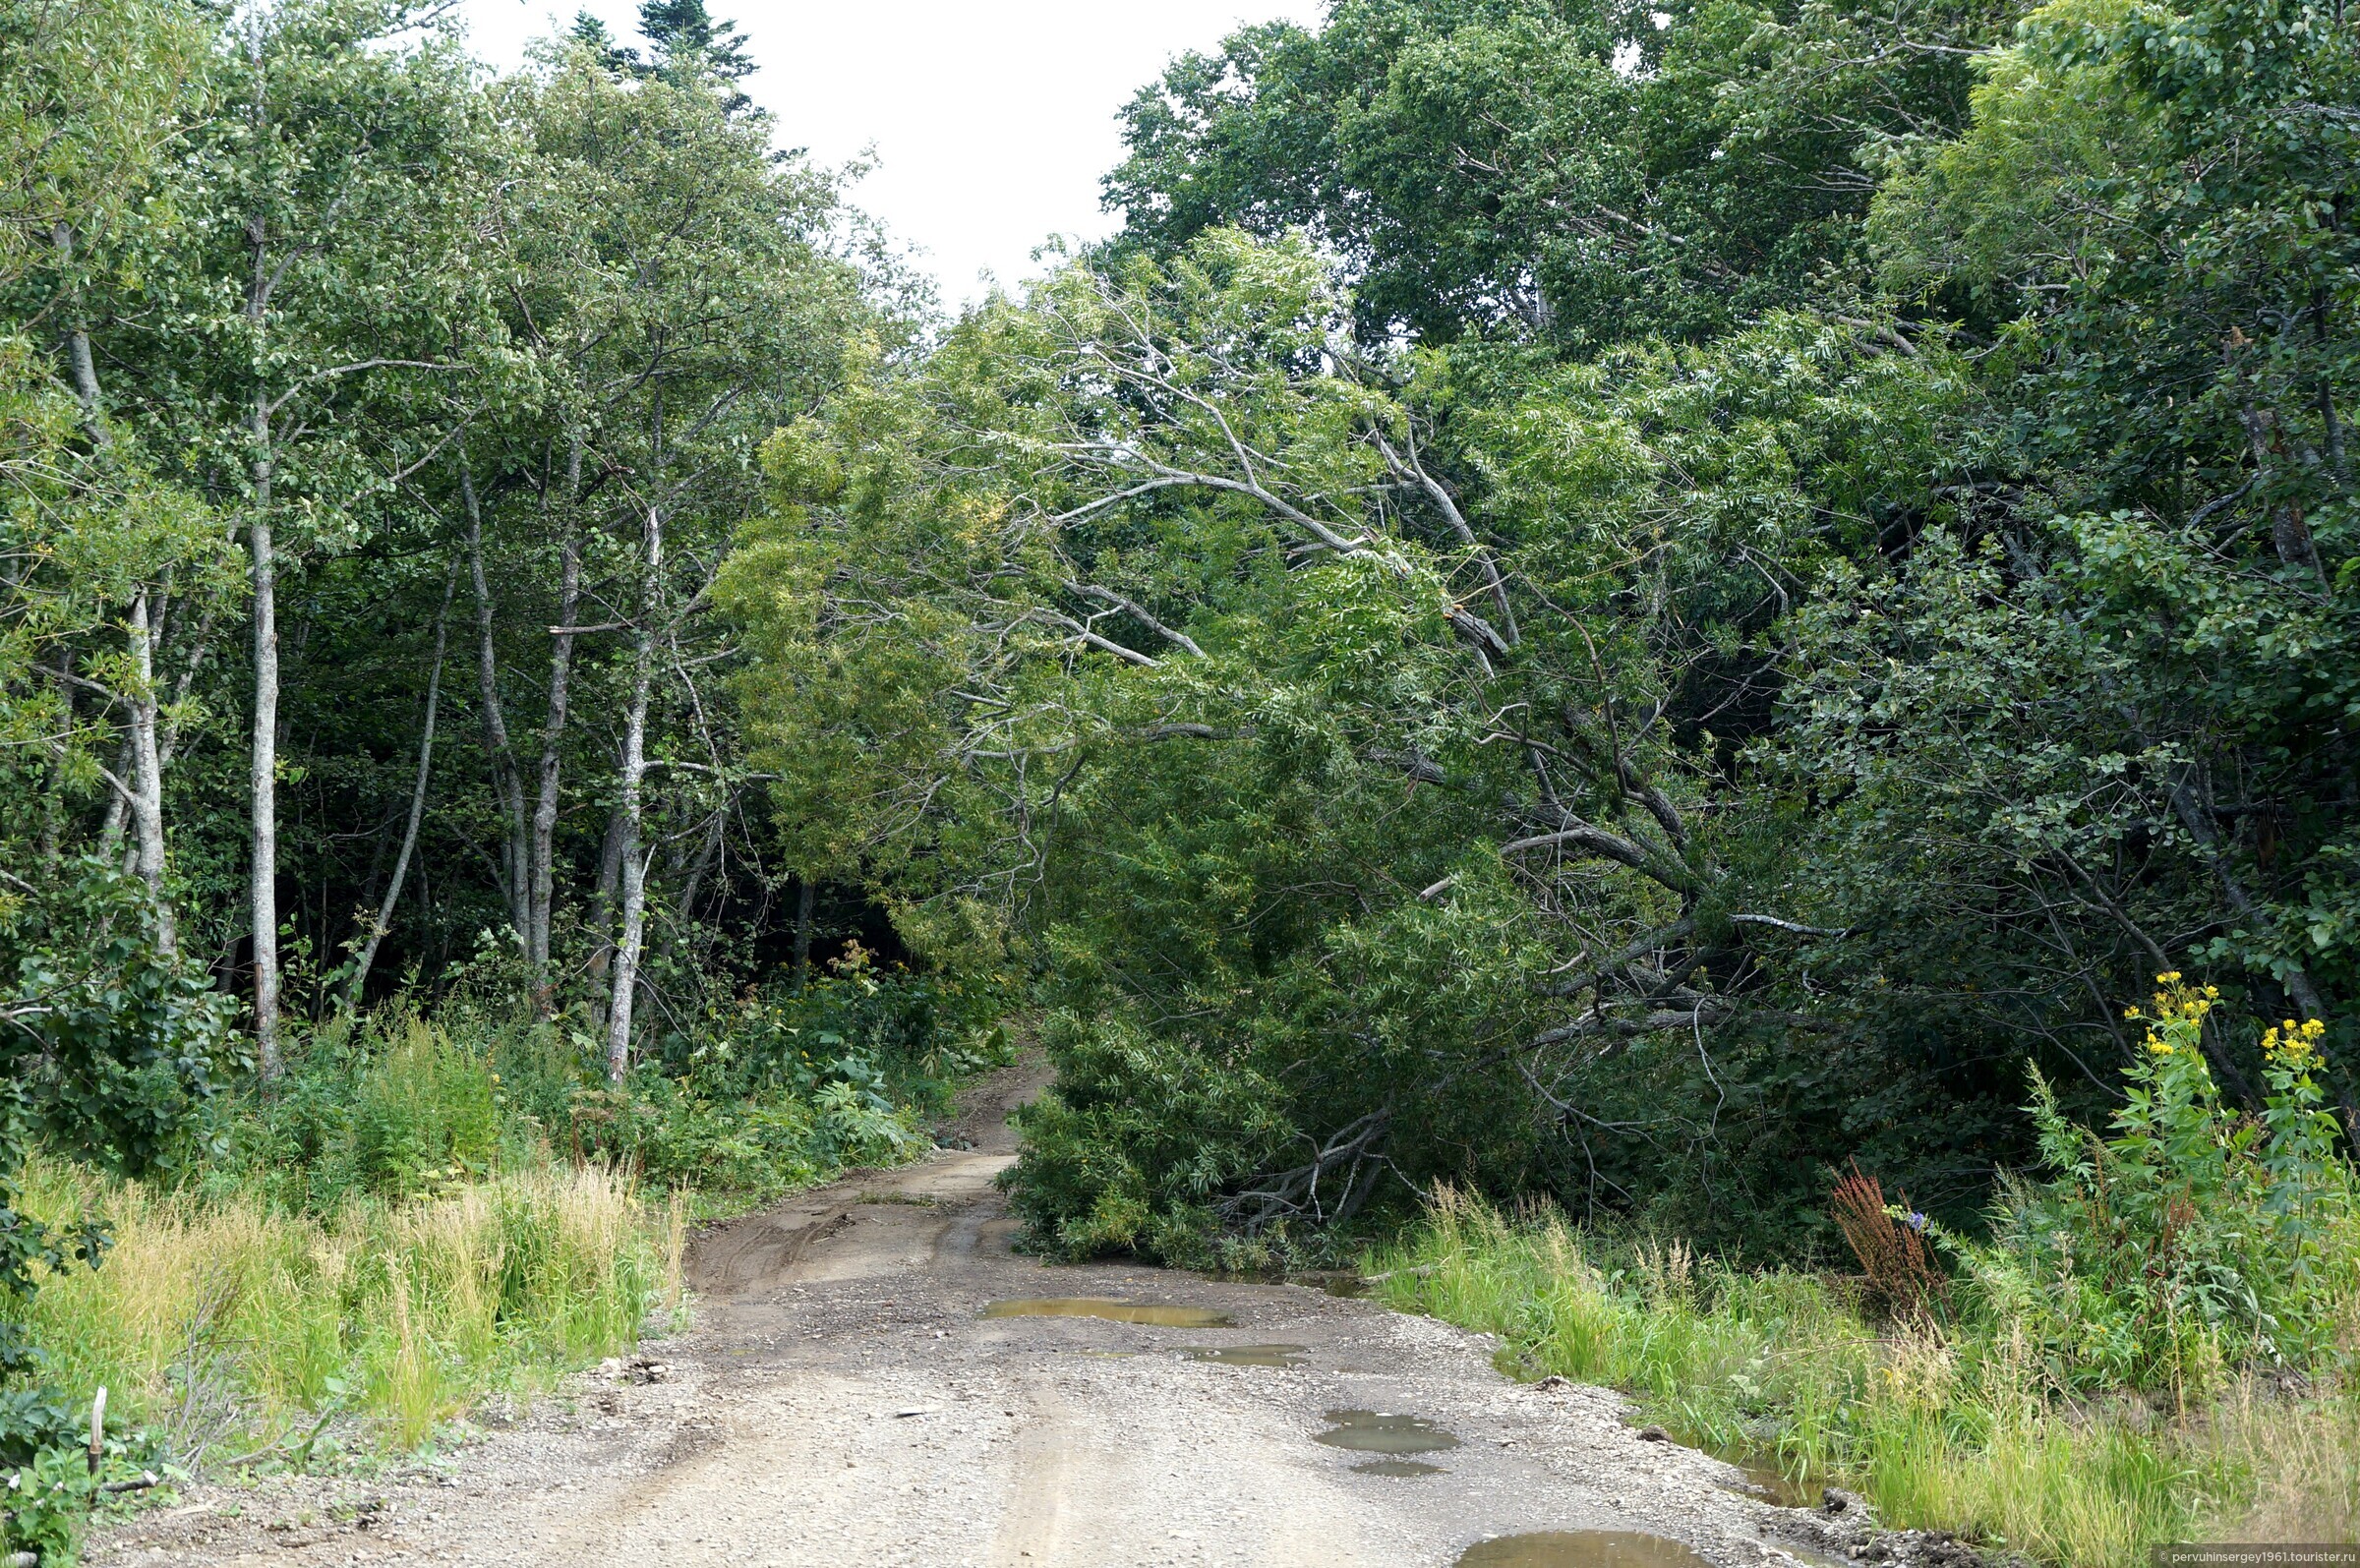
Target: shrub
1132	1145
423	1115
896	1036
2197	1237
395	1108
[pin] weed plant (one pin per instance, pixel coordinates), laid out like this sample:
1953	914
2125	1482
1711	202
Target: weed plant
1941	1429
2154	1345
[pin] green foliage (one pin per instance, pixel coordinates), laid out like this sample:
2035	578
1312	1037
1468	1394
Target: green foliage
1954	1428
423	1113
114	1042
1580	173
110	1051
48	1496
1644	643
1136	1142
2195	1237
401	1109
409	1107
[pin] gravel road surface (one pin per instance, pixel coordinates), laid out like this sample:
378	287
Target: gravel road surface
843	1399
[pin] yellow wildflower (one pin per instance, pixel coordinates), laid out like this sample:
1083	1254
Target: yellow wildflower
2294	1045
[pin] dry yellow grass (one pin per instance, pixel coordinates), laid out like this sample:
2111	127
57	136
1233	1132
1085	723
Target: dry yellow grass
225	1321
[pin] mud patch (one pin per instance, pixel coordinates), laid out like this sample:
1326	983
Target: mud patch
1580	1548
1396	1467
1161	1316
1382	1432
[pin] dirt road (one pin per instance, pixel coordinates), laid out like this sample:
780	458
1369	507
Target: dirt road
846	1400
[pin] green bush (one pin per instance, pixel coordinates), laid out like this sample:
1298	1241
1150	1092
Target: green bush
397	1108
672	1134
1135	1143
896	1036
2198	1236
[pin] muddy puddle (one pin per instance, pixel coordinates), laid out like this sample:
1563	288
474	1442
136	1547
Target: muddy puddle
1767	1481
1162	1316
1382	1432
1396	1467
1247	1355
1580	1548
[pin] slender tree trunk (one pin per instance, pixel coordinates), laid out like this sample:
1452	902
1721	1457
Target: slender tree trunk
263	778
262	888
693	885
357	987
118	805
78	343
517	855
634	770
169	741
53	811
136	758
802	931
602	914
553	733
147	776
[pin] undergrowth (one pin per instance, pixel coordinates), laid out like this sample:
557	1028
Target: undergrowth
423	1212
228	1326
1942	1431
2157	1343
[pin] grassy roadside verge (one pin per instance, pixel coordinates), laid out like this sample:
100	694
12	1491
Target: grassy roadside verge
225	1326
1954	1430
424	1215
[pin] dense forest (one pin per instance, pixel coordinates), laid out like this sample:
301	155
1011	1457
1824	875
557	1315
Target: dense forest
377	430
1638	605
1624	602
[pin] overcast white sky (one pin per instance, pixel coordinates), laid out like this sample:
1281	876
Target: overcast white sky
992	119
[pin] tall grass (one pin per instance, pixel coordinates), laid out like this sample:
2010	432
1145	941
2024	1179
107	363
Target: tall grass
224	1320
1955	1429
422	1211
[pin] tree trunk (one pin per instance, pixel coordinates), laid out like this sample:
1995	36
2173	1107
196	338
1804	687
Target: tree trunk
263	778
601	920
118	806
692	888
202	645
356	987
553	732
78	343
262	888
634	770
147	776
515	853
802	931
